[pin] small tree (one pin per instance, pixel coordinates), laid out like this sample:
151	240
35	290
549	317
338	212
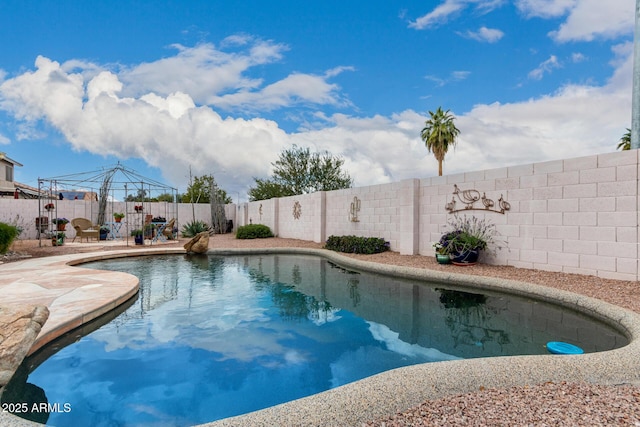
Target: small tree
199	191
165	197
218	215
140	196
267	189
8	233
298	171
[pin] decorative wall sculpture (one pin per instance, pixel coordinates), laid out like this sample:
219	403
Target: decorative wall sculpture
354	209
260	211
470	197
297	210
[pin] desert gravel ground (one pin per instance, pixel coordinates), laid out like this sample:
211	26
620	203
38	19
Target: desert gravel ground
549	404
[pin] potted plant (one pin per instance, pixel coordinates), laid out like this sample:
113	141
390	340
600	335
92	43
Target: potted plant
60	223
138	236
442	255
466	237
57	238
118	216
104	232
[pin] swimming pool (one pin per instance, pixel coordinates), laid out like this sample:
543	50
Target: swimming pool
187	336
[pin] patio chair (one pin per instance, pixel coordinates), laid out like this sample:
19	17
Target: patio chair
168	229
84	228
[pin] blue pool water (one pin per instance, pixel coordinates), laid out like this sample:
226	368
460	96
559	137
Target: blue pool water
213	337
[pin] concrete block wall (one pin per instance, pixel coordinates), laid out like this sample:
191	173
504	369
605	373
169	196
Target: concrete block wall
309	225
24	212
379	214
577	215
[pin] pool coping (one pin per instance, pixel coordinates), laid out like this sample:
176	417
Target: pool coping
351	404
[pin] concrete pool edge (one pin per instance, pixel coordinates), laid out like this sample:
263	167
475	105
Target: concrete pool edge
396	390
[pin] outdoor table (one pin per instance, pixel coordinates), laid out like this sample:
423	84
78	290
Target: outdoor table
114	230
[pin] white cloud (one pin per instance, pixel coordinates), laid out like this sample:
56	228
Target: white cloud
575	121
545	8
460	75
449	8
201	71
484	34
169	132
172	132
211	76
439	15
586	19
591	19
578	57
4	140
455	76
236	40
545	67
293	89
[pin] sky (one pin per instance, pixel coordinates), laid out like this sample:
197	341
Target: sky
178	88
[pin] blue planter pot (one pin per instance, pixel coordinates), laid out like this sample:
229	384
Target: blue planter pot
465	258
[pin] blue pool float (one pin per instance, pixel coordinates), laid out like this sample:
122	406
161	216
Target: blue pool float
557	347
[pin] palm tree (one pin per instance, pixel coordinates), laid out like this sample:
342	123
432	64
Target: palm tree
438	134
625	141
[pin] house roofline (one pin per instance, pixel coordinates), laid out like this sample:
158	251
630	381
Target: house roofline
3	156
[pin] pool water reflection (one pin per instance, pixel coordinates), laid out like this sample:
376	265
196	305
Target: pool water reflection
212	337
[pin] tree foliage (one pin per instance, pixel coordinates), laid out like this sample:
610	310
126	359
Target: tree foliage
199	191
625	141
438	134
141	196
165	197
298	171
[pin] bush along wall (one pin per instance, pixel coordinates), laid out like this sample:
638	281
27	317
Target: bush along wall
253	231
356	244
8	233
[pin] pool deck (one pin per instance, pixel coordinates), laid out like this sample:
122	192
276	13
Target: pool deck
75	296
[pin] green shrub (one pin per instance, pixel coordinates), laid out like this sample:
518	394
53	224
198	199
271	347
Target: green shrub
253	231
8	233
356	245
192	228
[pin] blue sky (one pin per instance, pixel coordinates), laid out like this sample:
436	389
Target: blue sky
222	87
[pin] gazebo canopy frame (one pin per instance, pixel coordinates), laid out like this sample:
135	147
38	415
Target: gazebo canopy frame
108	184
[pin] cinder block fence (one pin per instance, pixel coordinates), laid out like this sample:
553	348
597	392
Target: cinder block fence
577	215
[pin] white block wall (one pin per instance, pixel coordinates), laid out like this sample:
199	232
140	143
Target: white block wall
24	212
577	215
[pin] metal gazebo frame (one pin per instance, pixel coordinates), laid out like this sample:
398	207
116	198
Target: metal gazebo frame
103	186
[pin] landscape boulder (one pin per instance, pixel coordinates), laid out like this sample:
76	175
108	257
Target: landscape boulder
199	244
19	327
